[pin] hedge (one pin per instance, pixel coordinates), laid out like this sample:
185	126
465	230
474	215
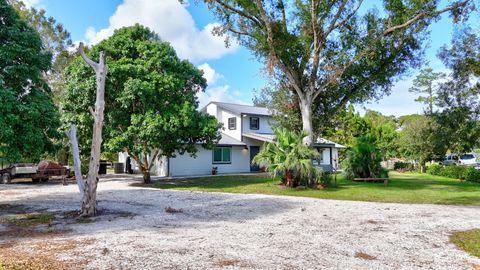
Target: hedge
456	172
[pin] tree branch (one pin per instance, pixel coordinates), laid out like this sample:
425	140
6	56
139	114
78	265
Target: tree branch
340	24
422	15
91	63
341	8
239	12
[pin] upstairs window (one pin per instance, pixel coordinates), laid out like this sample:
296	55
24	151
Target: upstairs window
222	155
232	123
254	123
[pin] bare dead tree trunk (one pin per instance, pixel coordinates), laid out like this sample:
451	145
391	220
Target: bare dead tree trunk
77	165
89	202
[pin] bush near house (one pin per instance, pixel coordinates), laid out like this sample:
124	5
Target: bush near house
457	172
435	169
363	160
403	166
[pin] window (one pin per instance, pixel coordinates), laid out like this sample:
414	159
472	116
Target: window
254	123
232	123
222	155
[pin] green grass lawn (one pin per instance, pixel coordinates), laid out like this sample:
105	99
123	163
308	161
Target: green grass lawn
403	188
468	241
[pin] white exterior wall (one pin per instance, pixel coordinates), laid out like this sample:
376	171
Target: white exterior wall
122	157
184	165
264	124
223	118
212	109
326	156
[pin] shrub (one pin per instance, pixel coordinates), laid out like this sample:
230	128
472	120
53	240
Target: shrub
325	179
471	174
383	173
456	172
403	166
435	169
363	159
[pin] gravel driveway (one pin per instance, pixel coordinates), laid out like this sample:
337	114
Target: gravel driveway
232	231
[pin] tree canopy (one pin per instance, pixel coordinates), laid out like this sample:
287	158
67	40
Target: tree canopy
150	99
28	119
459	96
329	53
55	40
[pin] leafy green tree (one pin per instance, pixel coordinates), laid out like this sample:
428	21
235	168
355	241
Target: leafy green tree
328	52
55	40
384	129
28	118
287	155
363	159
150	99
419	140
348	126
459	97
424	84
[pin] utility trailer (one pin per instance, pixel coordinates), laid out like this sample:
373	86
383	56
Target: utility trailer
37	172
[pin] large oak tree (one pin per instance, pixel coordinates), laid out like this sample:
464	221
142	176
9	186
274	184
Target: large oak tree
332	52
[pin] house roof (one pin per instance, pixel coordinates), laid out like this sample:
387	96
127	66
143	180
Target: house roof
325	141
260	136
245	109
228	140
264	137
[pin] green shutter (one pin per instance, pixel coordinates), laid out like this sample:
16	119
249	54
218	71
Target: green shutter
226	154
217	154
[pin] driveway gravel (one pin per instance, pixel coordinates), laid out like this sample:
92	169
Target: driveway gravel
242	231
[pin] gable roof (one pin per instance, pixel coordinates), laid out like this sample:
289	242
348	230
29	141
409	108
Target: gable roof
241	109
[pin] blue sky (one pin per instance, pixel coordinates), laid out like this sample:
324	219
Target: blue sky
233	73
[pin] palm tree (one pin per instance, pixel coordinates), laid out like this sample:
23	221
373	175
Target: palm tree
288	155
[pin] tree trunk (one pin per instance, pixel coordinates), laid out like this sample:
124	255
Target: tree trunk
89	203
306	104
77	165
146	176
289	176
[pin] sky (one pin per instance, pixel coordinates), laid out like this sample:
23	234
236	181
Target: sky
233	74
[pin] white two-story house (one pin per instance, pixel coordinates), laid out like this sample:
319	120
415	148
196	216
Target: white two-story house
245	130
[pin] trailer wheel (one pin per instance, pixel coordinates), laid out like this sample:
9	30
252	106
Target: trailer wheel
6	178
35	180
44	179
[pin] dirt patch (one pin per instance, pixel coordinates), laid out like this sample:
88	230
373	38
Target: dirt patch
365	256
44	255
371	221
10	193
172	210
231	262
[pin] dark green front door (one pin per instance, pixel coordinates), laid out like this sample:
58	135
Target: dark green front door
253	152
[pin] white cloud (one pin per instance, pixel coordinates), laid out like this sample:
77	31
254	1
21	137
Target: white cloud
210	74
220	93
399	102
172	22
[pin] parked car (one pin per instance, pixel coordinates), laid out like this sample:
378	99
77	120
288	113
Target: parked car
40	172
465	159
